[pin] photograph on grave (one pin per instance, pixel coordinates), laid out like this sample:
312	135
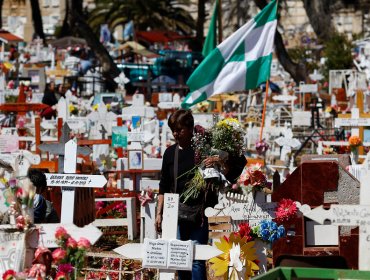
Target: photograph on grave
136	122
135	159
119	136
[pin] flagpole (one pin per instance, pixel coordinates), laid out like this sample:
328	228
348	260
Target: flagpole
220	21
264	109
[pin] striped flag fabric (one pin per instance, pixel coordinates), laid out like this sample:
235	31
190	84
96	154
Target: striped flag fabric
241	62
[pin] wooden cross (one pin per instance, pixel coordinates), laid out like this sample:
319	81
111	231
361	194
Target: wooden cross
162	247
70	158
103	131
351	215
22	107
359	119
287	142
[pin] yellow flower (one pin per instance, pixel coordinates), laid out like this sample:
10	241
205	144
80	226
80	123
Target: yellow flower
95	107
71	108
248	255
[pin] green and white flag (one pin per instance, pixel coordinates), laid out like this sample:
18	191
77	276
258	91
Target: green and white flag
241	62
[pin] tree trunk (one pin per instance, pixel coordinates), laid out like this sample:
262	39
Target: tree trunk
1	13
66	30
37	19
200	21
319	15
297	71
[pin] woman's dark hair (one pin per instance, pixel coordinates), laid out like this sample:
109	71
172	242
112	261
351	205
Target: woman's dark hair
181	118
38	179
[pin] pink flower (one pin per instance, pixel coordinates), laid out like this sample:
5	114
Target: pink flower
9	275
71	243
21	222
61	233
19	193
65	267
61	276
285	210
37	271
99	205
58	255
83	243
235	187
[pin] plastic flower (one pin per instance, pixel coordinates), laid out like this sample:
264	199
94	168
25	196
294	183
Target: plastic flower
65	267
245	231
10	274
61	276
354	141
286	209
247	255
270	231
58	255
21	222
83	243
262	147
37	271
61	233
71	243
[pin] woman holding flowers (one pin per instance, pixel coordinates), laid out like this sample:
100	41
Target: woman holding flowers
181	123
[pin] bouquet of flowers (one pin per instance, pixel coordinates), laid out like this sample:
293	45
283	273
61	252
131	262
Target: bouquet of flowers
251	179
240	252
223	140
69	257
354	141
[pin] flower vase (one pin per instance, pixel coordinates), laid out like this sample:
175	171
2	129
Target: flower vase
261	252
354	155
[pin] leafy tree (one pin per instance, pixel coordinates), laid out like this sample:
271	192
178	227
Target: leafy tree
338	51
154	14
75	24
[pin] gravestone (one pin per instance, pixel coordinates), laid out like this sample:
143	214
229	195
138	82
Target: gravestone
351	215
316	183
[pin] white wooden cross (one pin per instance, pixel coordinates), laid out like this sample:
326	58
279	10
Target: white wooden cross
67	152
166	259
102	121
351	215
287	142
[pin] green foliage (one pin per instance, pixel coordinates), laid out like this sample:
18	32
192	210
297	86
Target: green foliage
338	53
155	14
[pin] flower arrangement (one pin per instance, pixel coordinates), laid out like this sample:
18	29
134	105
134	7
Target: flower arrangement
354	141
228	136
285	210
19	195
262	147
107	210
238	253
224	139
240	258
69	257
252	179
